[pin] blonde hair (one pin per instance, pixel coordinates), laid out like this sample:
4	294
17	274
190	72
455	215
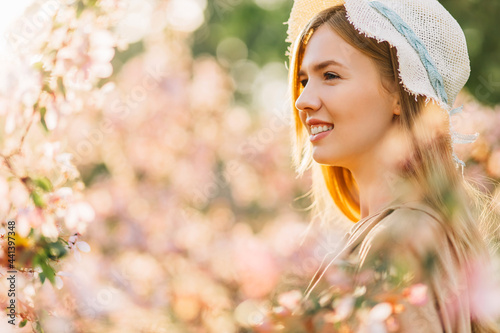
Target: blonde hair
428	169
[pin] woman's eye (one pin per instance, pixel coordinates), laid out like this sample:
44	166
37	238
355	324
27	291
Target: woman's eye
327	76
330	76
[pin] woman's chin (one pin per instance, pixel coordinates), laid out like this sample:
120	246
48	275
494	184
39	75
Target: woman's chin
327	158
322	159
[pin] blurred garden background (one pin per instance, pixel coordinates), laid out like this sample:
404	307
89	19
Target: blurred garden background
146	163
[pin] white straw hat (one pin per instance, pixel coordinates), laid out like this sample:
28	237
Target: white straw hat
431	46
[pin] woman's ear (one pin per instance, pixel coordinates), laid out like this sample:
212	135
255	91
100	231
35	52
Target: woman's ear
392	87
397	106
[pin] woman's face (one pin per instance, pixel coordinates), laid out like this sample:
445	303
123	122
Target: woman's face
343	94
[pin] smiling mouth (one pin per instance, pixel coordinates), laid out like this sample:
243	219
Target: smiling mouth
320	129
319	132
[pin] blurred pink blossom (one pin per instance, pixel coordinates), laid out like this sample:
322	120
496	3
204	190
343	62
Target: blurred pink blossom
75	246
417	294
290	299
493	165
256	267
484	290
78	215
380	312
343	307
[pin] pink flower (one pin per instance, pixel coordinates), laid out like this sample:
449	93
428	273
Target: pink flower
392	324
78	215
49	228
380	312
28	218
484	291
290	300
18	194
4	194
256	266
58	279
101	53
417	294
85	58
344	308
493	165
75	246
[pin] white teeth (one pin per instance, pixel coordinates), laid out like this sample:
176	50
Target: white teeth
319	129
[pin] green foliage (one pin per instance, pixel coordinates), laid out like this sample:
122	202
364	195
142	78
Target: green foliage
121	57
47	271
93	172
23	323
43	183
38	186
478	19
61	87
37	199
261	30
49	251
43	111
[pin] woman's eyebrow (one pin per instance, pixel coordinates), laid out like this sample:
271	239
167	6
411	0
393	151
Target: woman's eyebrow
323	65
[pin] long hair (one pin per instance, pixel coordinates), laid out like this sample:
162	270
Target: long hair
428	168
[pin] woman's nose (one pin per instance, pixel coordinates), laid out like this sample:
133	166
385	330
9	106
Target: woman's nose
308	99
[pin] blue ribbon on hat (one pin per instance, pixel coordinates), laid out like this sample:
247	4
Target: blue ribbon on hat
404	29
435	77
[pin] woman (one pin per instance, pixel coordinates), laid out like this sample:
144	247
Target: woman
373	84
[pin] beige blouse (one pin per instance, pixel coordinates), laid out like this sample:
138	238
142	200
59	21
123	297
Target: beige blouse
414	231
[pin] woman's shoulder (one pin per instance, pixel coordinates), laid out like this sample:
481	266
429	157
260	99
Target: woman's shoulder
413	227
412	219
